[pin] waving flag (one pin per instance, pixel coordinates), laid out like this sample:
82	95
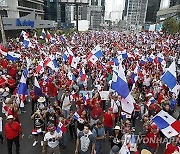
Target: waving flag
95	54
77	117
120	85
60	128
169	77
51	62
37	89
126	106
71	76
24	34
22	87
3	50
161	59
86	99
13	56
73	61
143	60
27	43
123	54
43	34
83	75
117	60
48	36
167	124
40	68
151	58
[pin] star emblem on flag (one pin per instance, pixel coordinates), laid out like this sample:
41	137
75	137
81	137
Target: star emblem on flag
169	132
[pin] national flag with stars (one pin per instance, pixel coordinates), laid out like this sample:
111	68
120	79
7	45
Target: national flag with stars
40	67
77	117
13	56
37	89
51	62
120	85
169	77
22	87
73	61
43	34
95	54
167	124
3	50
60	128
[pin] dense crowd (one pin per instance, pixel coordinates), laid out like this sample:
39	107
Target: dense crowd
69	105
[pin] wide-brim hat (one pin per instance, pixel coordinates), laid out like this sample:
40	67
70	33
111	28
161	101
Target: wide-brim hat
9	117
41	99
117	128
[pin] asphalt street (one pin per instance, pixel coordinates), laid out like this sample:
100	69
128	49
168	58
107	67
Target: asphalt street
26	143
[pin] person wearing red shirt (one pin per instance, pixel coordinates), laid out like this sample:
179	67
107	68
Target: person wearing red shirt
4	63
34	100
171	147
2	82
152	139
12	84
108	120
13	133
13	71
96	113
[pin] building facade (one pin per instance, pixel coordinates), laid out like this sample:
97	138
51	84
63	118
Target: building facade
20	8
171	9
152	9
136	12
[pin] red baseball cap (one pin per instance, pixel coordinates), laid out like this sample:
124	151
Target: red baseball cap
154	126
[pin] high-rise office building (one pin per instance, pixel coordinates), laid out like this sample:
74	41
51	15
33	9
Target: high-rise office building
136	12
20	8
152	9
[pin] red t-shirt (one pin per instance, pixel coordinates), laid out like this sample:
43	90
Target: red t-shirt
96	112
12	130
4	63
108	120
151	137
170	149
11	83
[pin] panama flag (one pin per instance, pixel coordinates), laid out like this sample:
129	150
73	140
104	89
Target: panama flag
83	75
86	99
169	77
24	34
40	68
27	43
167	124
48	36
71	76
60	128
3	50
43	34
73	61
36	131
95	54
51	62
77	117
13	56
22	87
120	85
37	89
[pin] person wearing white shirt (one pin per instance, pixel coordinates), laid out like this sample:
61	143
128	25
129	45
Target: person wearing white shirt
115	104
51	141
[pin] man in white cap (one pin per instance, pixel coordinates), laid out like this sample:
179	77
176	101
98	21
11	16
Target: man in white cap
13	133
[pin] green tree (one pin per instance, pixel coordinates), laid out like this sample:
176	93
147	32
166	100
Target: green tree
170	26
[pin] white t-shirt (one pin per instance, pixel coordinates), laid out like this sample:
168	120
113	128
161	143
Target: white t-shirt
52	142
66	101
115	106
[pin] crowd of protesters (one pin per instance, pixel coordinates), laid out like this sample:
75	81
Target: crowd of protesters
99	120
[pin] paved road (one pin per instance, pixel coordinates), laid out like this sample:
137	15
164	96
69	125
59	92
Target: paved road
26	143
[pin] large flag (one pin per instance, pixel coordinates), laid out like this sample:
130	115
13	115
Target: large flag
169	77
120	85
22	87
27	43
13	56
3	50
95	54
51	62
73	61
37	89
40	68
167	124
43	34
